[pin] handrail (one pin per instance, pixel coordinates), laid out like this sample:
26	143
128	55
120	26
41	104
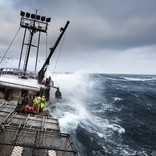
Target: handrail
16	71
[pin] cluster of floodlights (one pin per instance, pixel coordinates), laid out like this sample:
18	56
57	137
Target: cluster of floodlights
34	16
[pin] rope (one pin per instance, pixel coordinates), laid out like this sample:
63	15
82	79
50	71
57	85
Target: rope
10	45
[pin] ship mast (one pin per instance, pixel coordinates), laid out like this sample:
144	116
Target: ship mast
34	23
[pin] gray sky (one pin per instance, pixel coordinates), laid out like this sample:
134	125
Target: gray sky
104	36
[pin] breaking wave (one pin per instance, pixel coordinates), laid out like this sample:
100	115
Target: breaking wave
101	115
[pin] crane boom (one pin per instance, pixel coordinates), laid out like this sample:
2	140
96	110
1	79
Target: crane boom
42	71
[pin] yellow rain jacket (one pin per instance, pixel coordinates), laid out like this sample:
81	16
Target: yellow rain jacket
35	102
43	100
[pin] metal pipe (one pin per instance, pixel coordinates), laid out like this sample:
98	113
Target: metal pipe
37	51
22	48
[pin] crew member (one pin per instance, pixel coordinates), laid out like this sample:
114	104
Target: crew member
30	101
42	104
36	107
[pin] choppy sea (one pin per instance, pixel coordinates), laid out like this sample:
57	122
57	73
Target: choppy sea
108	114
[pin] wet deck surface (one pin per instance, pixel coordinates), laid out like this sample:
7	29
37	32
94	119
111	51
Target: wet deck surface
42	120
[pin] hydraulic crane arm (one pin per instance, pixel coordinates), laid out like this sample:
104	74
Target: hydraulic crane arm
42	71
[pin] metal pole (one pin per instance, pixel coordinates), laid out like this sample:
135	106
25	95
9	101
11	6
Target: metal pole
29	44
46	63
28	51
22	48
37	51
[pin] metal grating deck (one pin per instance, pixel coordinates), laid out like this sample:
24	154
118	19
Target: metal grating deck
10	117
34	142
31	135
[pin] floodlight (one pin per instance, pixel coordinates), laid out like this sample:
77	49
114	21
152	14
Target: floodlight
38	17
22	13
43	18
33	16
27	14
48	19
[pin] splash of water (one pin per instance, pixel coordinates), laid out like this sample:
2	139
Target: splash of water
72	110
75	89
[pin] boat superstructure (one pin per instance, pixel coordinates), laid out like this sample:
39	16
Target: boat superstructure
21	80
36	134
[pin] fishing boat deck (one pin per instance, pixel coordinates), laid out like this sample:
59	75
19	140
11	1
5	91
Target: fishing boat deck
31	134
10	77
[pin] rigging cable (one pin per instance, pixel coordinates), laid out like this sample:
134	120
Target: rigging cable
58	55
46	47
10	45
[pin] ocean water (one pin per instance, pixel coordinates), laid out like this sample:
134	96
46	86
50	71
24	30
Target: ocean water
108	114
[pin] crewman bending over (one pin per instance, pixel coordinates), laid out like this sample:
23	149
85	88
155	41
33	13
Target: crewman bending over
42	104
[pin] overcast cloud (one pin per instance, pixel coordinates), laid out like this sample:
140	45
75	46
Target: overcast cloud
105	36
